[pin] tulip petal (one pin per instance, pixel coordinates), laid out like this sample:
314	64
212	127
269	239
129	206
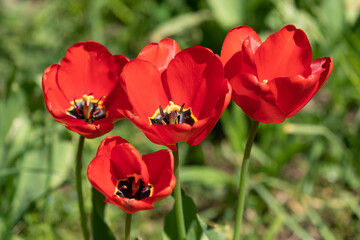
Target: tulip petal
117	103
234	41
144	88
108	144
196	78
87	68
157	162
160	54
55	101
99	175
175	133
284	54
292	91
255	99
164	186
94	130
126	161
130	205
220	108
321	69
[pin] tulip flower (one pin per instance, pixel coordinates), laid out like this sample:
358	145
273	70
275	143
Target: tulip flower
274	79
84	91
177	96
128	180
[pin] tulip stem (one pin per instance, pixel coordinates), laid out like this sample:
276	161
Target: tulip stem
79	188
179	214
242	183
128	226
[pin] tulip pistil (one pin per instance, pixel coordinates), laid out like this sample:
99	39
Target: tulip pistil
173	114
133	188
87	109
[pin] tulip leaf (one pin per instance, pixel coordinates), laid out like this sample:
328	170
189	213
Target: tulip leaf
100	229
194	229
39	173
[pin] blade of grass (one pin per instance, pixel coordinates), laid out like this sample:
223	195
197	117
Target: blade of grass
320	224
274	228
275	206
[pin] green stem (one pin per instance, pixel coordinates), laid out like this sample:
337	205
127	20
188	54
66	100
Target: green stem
178	201
128	226
79	188
242	183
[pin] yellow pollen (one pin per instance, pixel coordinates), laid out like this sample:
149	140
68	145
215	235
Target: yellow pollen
265	81
87	110
172	107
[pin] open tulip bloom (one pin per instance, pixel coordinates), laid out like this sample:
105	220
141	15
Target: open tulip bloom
128	180
84	91
177	96
273	80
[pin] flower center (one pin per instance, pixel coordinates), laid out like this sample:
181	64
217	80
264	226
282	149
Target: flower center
173	114
133	189
87	109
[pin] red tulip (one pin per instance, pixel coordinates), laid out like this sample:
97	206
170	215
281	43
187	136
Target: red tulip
129	181
177	96
84	91
273	80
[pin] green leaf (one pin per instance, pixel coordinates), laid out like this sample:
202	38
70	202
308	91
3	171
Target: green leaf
194	229
100	229
39	173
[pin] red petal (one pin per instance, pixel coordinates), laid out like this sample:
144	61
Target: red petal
87	68
117	103
220	108
144	88
120	62
99	175
321	69
171	134
130	205
108	144
292	91
234	40
284	54
164	187
157	162
195	78
55	101
94	130
255	99
126	161
161	166
160	54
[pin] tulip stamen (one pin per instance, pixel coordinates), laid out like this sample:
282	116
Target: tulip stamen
162	114
87	109
133	188
173	114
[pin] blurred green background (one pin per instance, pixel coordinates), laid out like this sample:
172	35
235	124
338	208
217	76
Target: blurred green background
305	172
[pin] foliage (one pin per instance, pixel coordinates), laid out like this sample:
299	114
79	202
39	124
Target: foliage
304	173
